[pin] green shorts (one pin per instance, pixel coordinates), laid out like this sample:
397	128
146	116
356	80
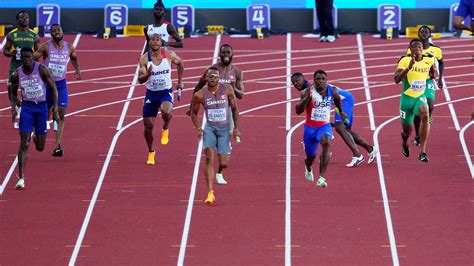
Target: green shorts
430	89
409	107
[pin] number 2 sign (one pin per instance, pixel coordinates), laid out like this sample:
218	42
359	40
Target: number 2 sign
389	15
258	16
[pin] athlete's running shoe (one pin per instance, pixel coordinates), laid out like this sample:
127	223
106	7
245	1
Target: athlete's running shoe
220	179
417	141
405	150
356	161
423	157
322	182
164	136
372	155
210	198
308	174
20	184
57	152
151	158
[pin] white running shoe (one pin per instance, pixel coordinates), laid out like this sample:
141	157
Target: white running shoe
331	38
372	155
308	174
220	179
48	126
356	161
16	125
323	39
322	182
20	184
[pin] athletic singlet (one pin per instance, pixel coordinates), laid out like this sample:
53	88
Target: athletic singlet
32	86
57	60
216	106
161	30
318	111
160	78
227	78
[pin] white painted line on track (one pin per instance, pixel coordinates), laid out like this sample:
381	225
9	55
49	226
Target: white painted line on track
130	93
465	149
450	106
366	81
288	81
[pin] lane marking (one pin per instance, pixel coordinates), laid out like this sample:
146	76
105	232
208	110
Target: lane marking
363	68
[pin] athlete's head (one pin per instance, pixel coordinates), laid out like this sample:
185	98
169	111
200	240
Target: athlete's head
159	9
22	19
226	53
416	47
298	81
27	59
57	32
320	79
212	76
424	33
155	42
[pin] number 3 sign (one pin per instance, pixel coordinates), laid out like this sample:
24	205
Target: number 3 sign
389	16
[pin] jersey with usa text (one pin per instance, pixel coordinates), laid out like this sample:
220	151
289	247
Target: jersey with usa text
160	78
318	111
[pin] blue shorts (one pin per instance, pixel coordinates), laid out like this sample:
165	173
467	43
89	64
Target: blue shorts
311	138
153	101
34	116
465	8
62	94
348	109
217	137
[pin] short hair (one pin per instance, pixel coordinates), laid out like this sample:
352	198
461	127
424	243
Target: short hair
320	72
226	45
213	68
297	74
20	12
424	27
159	3
26	50
55	25
415	40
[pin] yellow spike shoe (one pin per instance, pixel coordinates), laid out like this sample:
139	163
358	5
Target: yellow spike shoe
151	158
164	136
210	198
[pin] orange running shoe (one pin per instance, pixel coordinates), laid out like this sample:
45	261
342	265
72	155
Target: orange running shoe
164	136
151	158
210	198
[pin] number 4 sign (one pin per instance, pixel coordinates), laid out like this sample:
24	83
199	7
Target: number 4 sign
389	16
258	16
47	15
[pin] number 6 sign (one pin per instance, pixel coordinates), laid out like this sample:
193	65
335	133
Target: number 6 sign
258	16
389	16
47	15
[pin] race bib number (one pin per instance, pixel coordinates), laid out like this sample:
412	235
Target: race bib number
18	54
57	70
217	115
158	83
33	92
418	85
319	114
430	86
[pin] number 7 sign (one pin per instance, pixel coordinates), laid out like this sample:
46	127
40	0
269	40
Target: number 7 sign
47	15
258	16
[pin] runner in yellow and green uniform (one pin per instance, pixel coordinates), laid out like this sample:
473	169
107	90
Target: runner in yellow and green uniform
431	50
413	71
20	37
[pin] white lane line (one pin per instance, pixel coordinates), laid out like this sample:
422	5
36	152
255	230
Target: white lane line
3	43
130	93
465	149
76	40
450	106
288	81
366	81
192	192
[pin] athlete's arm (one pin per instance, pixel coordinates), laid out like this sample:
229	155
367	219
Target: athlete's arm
41	52
201	83
144	73
147	40
305	99
175	59
8	47
234	107
195	103
75	61
172	31
48	79
239	86
401	73
338	102
37	43
440	78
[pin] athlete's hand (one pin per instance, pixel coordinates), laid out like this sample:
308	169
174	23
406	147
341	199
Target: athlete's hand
440	83
412	62
344	116
236	134
149	71
188	112
55	113
77	73
199	133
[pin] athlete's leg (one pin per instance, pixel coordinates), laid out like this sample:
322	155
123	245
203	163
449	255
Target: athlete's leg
166	109
25	138
423	112
209	167
59	134
148	123
348	139
324	157
359	140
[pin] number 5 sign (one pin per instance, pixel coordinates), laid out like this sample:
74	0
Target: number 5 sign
182	15
47	15
389	16
258	16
